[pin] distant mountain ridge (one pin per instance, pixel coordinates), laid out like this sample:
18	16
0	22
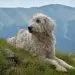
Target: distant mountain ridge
12	19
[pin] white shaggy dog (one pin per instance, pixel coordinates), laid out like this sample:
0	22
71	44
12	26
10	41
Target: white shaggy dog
39	40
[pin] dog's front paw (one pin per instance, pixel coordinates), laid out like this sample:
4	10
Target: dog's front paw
71	67
61	69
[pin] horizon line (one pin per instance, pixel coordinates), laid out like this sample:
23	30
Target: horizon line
37	6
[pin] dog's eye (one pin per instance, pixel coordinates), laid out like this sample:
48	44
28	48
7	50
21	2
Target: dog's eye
38	21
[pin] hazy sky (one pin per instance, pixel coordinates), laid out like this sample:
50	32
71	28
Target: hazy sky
34	3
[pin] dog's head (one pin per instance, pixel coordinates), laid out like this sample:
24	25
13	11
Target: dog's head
40	23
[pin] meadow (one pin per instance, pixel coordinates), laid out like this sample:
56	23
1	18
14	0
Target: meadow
15	61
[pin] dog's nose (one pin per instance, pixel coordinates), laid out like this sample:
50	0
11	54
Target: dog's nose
30	29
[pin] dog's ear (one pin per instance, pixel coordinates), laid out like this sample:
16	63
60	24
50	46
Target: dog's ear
49	25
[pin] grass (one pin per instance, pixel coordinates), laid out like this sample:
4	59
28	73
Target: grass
25	64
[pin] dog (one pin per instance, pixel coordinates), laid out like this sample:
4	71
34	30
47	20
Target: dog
39	40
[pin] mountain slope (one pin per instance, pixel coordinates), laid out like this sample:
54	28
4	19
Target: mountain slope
19	62
12	19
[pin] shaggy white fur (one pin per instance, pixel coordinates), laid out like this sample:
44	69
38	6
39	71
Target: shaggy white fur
39	40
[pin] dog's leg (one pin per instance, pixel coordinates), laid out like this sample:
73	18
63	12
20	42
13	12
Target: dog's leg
63	63
56	64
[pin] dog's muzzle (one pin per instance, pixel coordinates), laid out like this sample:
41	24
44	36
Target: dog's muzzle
30	29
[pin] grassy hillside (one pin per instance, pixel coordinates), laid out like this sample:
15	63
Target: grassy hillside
19	62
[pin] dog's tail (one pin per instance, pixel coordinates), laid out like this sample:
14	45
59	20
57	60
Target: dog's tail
11	40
